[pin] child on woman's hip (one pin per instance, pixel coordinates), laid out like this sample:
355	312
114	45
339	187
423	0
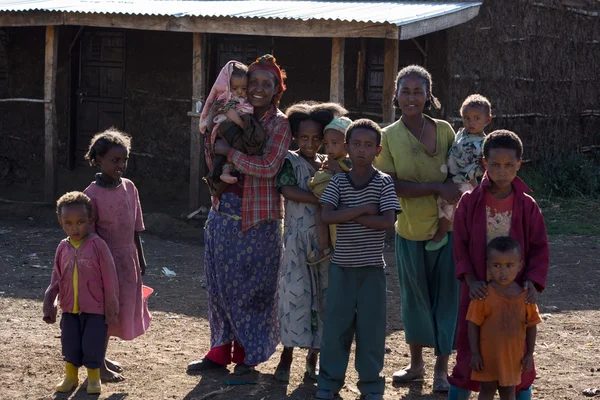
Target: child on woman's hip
118	220
337	162
85	279
228	115
464	161
500	324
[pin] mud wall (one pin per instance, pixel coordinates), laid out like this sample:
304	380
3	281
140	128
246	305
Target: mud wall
537	61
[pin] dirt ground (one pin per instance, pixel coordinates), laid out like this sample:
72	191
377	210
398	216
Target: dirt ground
568	346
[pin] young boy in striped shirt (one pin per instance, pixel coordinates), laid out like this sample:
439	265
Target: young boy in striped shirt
363	204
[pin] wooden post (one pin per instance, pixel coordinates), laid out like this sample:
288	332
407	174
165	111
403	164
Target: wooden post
360	72
336	86
390	70
50	156
198	191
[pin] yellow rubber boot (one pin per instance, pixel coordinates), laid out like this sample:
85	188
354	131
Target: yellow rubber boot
71	379
94	386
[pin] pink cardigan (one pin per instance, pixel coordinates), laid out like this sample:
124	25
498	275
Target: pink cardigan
97	277
528	227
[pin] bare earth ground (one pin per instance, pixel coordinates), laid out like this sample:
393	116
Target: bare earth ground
568	341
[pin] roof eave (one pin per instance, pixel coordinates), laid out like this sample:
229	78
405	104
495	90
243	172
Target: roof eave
441	22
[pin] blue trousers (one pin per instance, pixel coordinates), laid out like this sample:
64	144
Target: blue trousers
83	338
355	306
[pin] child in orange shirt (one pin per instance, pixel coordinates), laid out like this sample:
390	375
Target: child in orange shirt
497	341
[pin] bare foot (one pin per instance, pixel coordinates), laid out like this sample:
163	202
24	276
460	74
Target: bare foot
113	365
106	375
228	178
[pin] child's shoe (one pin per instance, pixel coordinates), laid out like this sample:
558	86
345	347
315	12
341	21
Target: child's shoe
524	394
94	386
323	394
71	379
457	393
435	246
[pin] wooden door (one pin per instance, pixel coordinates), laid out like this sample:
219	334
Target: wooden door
101	86
245	49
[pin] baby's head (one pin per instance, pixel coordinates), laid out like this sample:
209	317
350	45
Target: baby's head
109	151
476	113
238	84
334	136
503	260
502	152
74	210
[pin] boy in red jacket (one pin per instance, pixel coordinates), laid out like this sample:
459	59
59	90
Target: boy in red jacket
499	206
85	279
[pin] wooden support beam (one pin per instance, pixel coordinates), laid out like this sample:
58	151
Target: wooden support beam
336	85
50	156
223	25
198	190
390	70
361	70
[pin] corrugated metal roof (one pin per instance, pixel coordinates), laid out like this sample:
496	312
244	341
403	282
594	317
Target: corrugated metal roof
398	13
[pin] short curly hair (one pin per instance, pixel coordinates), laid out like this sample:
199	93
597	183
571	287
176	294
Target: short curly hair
104	141
72	198
477	100
504	244
364	123
502	139
322	113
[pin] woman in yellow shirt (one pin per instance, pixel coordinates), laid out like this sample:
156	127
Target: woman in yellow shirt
414	152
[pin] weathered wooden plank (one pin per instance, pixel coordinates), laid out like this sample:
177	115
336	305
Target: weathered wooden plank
336	84
198	191
50	156
360	72
390	70
239	26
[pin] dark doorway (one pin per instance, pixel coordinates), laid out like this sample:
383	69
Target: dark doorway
245	49
100	94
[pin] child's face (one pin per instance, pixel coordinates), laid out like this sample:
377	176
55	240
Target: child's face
75	221
475	119
239	85
362	147
502	166
333	142
309	138
114	163
504	267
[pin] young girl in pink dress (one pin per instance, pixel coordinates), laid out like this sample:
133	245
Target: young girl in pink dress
118	216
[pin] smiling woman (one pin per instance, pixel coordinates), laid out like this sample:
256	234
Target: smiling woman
243	237
414	152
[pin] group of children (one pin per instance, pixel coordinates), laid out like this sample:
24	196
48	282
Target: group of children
98	268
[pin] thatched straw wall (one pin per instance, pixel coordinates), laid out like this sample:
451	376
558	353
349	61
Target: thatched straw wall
538	61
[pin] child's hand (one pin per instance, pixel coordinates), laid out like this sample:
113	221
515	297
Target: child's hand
531	292
333	166
478	290
527	362
476	362
110	319
371	209
50	314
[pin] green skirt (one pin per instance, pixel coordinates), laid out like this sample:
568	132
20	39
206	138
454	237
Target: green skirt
430	294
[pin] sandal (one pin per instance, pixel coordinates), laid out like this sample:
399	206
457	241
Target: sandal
407	376
316	256
282	375
440	385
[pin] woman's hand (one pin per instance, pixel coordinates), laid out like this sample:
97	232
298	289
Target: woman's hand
478	290
476	362
530	298
222	147
449	192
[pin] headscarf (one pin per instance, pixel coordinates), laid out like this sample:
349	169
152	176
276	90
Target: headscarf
221	91
269	63
339	124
